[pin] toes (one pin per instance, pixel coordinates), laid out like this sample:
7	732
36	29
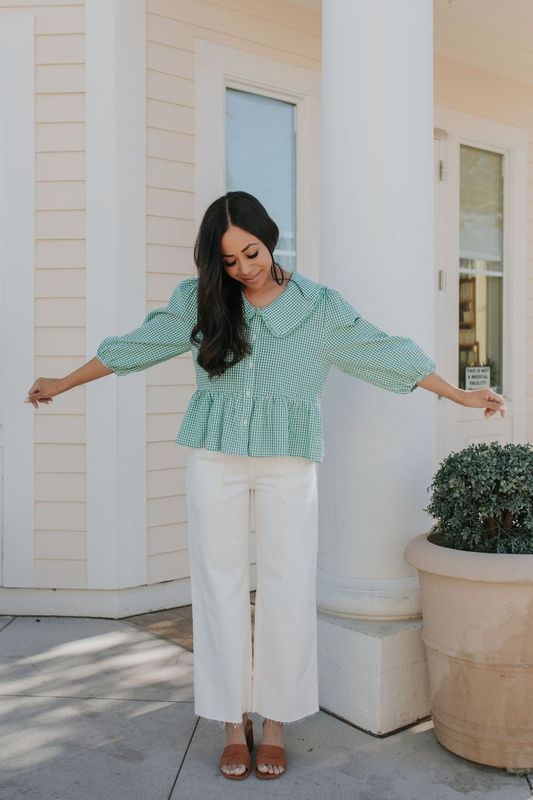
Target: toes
270	768
234	769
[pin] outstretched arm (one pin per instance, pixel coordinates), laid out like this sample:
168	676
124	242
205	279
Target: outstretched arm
357	347
474	398
396	363
165	333
436	383
43	390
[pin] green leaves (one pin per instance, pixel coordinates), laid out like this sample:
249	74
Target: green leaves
482	499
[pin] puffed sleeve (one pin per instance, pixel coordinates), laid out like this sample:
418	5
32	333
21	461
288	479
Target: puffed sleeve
358	348
165	333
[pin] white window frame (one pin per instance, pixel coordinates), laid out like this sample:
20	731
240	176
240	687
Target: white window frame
218	67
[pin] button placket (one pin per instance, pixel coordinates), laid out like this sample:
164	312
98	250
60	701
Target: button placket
248	392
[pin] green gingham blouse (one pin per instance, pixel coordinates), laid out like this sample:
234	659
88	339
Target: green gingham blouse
269	403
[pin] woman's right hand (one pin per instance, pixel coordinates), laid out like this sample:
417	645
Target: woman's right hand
43	390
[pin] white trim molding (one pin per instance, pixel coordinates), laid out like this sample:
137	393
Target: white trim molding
375	599
218	67
17	316
115	42
108	603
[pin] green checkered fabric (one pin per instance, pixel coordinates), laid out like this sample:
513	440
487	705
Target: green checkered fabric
269	403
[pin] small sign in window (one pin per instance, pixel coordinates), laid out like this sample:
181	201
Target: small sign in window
477	377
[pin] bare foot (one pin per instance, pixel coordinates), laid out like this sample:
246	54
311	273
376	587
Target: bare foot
272	734
235	735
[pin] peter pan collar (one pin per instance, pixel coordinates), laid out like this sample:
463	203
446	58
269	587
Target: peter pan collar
290	307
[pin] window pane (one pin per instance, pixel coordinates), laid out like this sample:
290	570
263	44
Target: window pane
261	159
481	269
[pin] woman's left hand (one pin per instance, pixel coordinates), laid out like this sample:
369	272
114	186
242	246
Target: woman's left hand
484	398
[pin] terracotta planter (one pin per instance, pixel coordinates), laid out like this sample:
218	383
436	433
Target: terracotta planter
477	611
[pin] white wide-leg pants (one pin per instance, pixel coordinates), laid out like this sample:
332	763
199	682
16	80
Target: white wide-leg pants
280	682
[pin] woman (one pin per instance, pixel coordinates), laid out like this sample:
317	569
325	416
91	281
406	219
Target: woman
262	340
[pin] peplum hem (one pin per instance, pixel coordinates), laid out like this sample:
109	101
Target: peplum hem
242	423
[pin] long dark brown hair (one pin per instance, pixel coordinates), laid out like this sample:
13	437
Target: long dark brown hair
221	329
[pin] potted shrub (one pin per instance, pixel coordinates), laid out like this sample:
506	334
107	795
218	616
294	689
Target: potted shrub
475	570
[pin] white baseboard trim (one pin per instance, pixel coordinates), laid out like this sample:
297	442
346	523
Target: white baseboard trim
107	603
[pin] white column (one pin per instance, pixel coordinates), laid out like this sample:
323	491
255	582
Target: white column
377	249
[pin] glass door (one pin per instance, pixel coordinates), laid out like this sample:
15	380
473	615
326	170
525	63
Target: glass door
481	228
481	269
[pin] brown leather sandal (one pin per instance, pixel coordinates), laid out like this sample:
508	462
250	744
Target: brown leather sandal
270	754
239	754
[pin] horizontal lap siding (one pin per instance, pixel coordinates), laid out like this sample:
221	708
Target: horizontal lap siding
60	513
60	527
279	30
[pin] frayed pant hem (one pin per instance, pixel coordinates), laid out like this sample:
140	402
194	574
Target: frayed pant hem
222	723
288	721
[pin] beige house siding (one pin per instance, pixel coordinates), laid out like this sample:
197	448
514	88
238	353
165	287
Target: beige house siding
475	91
281	31
59	537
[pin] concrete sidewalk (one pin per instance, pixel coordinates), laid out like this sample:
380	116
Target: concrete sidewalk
98	709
